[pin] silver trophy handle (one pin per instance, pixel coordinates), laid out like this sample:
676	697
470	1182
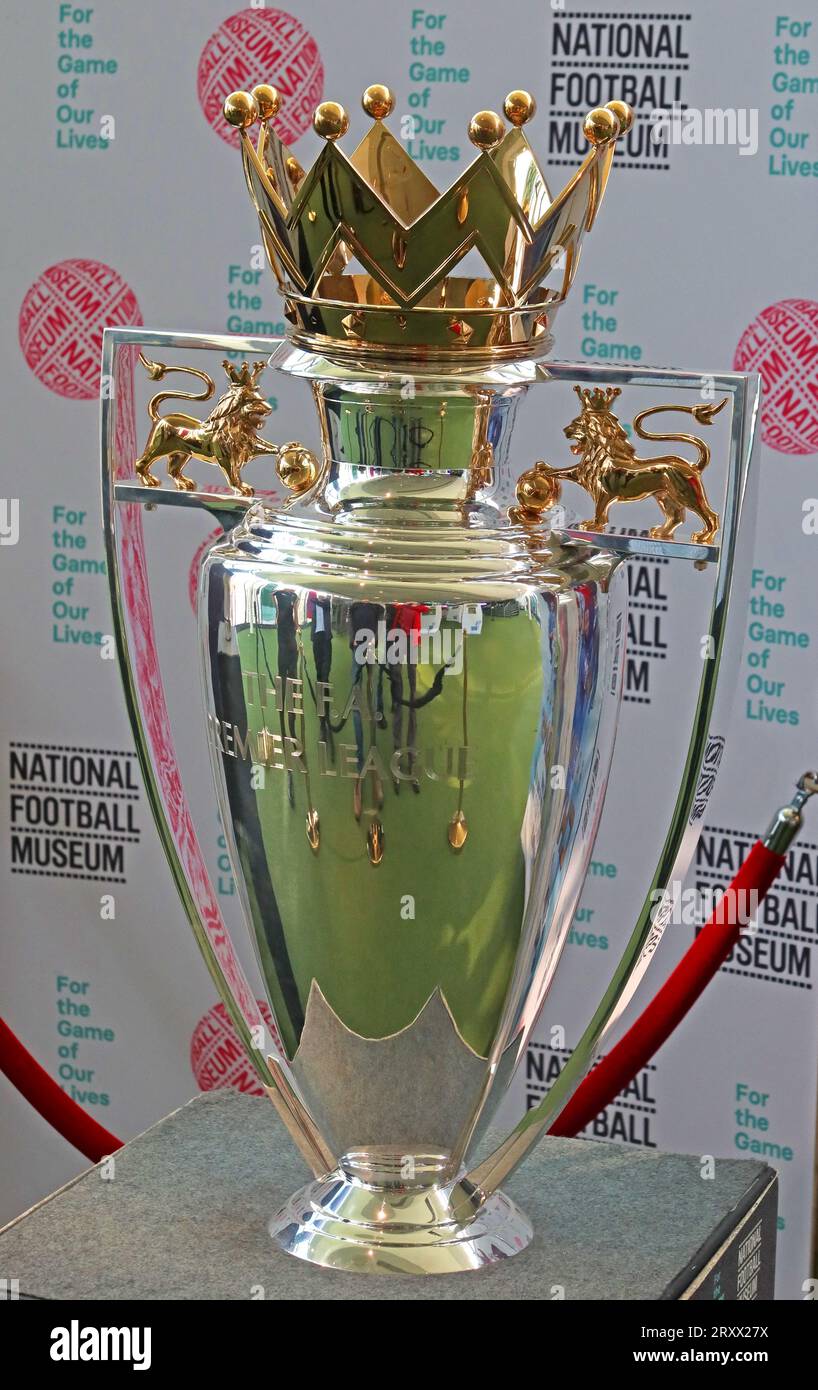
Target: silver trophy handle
716	690
148	715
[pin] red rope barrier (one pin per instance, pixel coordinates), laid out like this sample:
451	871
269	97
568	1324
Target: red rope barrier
51	1101
679	992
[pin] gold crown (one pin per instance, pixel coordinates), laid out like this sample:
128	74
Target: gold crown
376	207
599	399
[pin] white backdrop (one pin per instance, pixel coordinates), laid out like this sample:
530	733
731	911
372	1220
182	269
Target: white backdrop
125	203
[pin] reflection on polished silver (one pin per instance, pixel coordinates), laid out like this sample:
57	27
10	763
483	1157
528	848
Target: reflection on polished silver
411	702
399	1228
227	509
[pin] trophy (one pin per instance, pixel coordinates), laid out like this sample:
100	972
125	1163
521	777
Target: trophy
412	660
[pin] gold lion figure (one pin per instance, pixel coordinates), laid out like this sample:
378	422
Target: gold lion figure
610	471
228	437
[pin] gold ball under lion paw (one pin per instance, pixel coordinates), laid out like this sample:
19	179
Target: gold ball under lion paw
624	114
240	110
378	101
601	126
330	120
519	107
297	467
486	130
268	101
537	490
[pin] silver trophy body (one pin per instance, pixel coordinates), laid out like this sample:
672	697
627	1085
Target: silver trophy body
411	714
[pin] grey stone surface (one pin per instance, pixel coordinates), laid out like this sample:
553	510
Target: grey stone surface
185	1218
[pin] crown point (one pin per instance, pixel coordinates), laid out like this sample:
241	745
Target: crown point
330	120
623	113
601	126
519	107
268	101
378	101
240	110
486	130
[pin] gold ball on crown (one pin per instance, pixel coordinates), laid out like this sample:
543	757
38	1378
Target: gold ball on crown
268	101
623	113
486	130
378	101
330	120
601	126
519	107
240	110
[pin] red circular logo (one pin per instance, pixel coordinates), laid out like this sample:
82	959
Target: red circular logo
218	1058
61	323
262	45
782	345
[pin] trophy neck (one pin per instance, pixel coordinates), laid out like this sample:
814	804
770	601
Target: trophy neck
401	437
413	445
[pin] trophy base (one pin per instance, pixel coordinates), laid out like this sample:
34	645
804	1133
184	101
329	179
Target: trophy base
340	1223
